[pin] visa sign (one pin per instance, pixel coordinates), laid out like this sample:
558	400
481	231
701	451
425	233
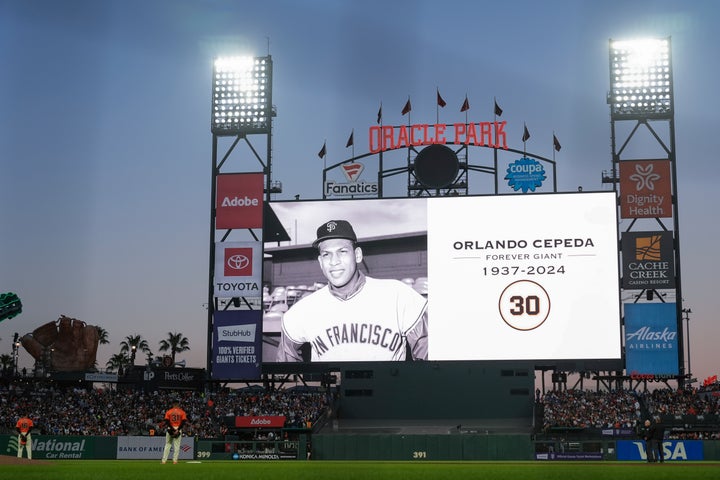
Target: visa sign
672	449
237	333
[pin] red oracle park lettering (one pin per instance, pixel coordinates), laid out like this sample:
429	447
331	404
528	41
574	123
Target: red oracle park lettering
482	134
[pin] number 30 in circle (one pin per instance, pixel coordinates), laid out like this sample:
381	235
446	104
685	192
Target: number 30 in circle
524	305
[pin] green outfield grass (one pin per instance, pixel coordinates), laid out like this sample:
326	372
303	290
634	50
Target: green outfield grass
355	470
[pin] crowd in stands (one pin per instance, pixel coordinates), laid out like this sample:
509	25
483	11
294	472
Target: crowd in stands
78	411
591	409
628	409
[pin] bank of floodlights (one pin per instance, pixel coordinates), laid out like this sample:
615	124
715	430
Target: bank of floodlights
241	95
641	78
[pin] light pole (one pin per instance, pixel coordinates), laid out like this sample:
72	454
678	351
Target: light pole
16	348
687	312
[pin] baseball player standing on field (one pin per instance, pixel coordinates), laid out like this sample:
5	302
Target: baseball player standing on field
355	317
23	427
175	418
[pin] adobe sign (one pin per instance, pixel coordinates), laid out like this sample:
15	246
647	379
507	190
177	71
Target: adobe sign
239	200
645	189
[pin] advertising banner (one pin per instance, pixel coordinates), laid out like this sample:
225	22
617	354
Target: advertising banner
525	174
151	448
46	447
238	269
645	189
239	200
101	377
174	378
237	345
587	456
648	260
267	421
672	449
651	338
354	186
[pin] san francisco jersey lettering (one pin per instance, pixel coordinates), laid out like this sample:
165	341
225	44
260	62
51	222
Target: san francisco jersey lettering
371	325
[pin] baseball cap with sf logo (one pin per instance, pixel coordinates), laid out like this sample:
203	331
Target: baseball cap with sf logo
335	229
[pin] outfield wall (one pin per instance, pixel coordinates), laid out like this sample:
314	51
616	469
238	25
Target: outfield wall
361	447
421	447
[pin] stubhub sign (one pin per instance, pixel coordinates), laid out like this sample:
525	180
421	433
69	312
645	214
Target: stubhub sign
237	345
237	333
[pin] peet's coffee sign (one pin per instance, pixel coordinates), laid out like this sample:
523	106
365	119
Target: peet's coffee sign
480	134
175	378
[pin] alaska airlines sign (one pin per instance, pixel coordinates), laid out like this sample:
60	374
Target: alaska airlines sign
481	134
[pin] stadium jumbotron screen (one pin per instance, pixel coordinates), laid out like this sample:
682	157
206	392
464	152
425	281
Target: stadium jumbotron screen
502	277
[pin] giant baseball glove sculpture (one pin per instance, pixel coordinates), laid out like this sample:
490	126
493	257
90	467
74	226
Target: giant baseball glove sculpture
69	344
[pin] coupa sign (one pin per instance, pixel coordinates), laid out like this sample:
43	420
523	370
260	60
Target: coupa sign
672	449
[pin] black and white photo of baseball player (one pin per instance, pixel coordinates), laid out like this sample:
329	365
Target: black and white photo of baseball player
354	317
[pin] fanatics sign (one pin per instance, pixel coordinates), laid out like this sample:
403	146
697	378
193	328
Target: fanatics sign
239	200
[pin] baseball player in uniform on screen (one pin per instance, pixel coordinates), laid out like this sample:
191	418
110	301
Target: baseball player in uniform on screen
354	317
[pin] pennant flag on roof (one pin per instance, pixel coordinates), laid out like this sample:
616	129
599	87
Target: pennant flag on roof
406	109
440	101
322	151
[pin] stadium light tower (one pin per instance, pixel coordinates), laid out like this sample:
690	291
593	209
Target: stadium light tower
641	79
241	107
241	97
641	91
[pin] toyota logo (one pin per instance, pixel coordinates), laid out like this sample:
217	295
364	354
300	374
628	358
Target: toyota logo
238	262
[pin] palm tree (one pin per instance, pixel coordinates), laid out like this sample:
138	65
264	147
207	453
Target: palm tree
117	361
176	343
132	344
103	335
6	362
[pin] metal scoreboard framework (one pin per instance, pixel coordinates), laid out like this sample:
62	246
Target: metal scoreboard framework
644	175
241	110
